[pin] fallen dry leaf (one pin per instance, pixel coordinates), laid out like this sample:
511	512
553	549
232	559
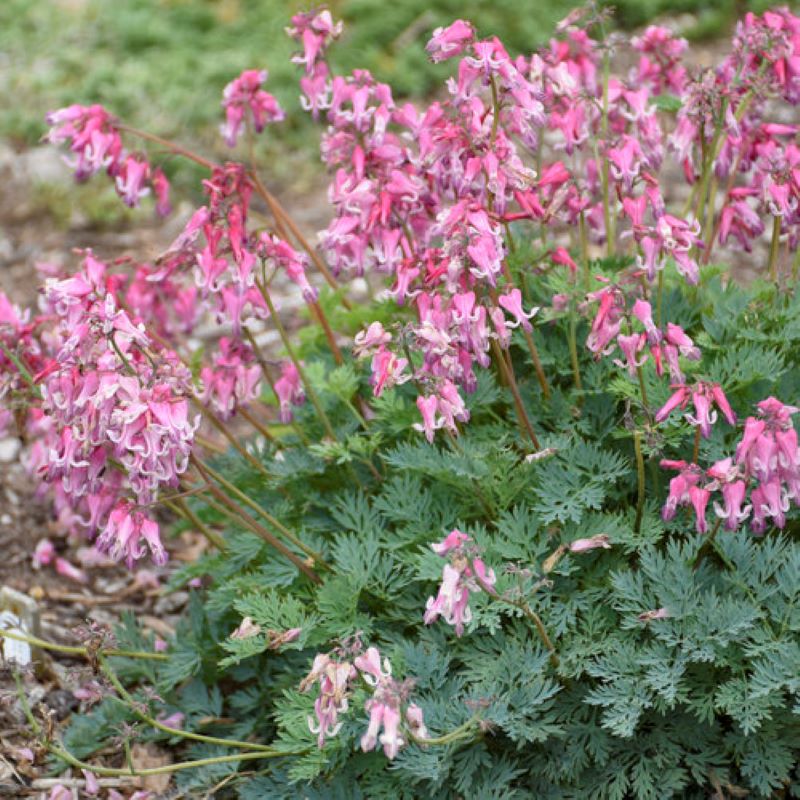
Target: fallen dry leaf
150	756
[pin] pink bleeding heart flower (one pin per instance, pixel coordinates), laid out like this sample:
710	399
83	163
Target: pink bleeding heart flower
728	478
242	95
427	408
630	346
43	554
562	257
70	571
334	678
512	303
371	339
643	311
451	41
128	534
688	477
464	574
289	390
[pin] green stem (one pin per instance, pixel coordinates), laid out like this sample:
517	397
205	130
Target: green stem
262	362
179	506
708	543
637	446
512	247
232	440
262	429
281	215
455	735
171	146
224	482
712	153
197	737
774	246
537	363
312	395
207	471
642	389
66	756
316	309
711	210
522	414
108	772
76	650
584	240
532	349
23	370
573	350
696	447
122	357
659	297
277	210
537	623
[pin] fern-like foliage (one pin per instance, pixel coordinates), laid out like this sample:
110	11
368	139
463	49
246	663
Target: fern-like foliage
699	700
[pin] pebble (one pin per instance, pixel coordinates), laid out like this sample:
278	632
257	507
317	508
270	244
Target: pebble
9	449
61	701
5	519
170	603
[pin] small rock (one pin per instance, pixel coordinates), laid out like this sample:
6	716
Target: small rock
9	449
359	288
5	519
36	695
62	701
171	602
44	165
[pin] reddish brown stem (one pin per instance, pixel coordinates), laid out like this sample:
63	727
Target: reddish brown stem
323	321
278	212
172	147
256	424
251	523
522	414
537	362
282	216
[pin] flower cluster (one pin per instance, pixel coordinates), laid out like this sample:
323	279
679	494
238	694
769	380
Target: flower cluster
663	345
289	390
768	456
95	141
314	31
114	419
703	396
768	453
387	705
464	574
243	95
232	381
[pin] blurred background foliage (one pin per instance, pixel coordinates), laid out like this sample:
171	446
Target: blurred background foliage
162	64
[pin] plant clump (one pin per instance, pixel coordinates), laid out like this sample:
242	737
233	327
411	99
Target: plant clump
499	531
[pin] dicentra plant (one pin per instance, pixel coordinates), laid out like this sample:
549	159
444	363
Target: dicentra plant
500	531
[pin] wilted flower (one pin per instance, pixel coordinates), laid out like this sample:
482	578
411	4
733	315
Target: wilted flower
246	629
600	540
